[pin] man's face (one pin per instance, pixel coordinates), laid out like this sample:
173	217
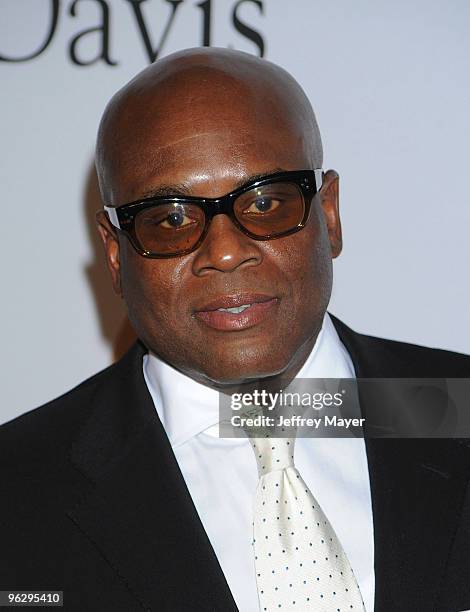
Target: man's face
171	301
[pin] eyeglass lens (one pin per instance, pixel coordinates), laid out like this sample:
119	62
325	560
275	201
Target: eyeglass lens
265	211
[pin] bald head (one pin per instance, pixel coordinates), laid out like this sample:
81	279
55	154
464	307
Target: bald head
199	100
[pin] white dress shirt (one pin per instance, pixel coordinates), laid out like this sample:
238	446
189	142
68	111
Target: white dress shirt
222	476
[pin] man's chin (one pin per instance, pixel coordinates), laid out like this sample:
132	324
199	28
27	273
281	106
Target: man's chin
269	363
235	375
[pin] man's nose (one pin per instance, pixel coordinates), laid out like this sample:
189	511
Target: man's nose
225	249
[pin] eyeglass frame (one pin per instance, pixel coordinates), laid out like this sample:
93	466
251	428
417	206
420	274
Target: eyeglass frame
123	217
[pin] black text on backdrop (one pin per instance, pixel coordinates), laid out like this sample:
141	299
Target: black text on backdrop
165	11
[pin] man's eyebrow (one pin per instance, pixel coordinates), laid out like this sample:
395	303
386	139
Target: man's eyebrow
183	189
178	189
256	177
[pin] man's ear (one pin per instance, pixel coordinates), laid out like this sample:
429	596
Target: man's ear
329	197
111	247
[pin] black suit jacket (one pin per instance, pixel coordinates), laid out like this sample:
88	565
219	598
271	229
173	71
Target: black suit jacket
93	502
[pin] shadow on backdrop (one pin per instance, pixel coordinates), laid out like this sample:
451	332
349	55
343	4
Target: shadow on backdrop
110	309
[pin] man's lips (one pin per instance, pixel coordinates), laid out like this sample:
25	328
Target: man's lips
238	311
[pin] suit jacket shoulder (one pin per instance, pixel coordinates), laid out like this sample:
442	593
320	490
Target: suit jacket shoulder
378	357
48	431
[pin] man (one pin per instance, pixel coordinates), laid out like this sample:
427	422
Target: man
119	493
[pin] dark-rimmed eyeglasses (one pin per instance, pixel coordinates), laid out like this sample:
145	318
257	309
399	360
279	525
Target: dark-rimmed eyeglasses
273	206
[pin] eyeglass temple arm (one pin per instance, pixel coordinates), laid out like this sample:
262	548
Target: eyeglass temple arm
318	178
112	214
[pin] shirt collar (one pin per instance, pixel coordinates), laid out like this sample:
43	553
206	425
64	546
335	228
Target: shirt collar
187	408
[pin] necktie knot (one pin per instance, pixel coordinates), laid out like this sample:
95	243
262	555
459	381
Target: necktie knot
273	454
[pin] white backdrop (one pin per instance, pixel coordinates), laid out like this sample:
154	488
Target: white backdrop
390	85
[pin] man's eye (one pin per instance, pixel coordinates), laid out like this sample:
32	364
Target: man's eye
262	205
175	220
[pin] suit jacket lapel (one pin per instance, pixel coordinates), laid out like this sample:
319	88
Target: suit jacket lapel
138	511
417	488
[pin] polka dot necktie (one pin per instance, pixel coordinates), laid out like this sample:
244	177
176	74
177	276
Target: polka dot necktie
299	561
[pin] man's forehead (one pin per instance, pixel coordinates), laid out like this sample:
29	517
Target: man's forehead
209	167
